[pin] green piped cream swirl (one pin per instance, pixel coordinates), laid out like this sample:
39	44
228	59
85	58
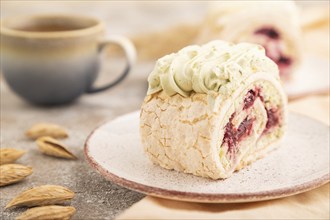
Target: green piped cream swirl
217	66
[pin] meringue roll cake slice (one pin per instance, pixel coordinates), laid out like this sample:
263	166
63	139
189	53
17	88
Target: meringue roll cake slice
272	24
212	109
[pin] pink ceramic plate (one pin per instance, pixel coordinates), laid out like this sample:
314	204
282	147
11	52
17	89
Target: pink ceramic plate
300	164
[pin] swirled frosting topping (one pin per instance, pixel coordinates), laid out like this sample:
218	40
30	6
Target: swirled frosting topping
217	66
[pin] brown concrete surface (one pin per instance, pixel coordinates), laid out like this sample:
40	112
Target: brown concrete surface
96	198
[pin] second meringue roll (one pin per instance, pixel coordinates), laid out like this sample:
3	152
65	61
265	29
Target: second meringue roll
272	24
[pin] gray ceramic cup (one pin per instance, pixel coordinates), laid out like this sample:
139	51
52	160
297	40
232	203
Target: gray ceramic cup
53	59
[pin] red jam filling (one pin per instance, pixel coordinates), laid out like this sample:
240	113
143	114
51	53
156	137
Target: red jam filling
250	97
274	52
233	136
273	119
269	32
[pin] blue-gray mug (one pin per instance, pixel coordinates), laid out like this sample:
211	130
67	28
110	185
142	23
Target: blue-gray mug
53	59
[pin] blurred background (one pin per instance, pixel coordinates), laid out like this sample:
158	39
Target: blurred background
161	27
148	20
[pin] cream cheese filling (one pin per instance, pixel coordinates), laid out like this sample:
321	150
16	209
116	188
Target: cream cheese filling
217	67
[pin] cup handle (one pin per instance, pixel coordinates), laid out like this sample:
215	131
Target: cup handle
130	54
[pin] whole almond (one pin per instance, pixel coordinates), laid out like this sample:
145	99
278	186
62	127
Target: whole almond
42	195
12	173
52	147
10	155
46	129
53	212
